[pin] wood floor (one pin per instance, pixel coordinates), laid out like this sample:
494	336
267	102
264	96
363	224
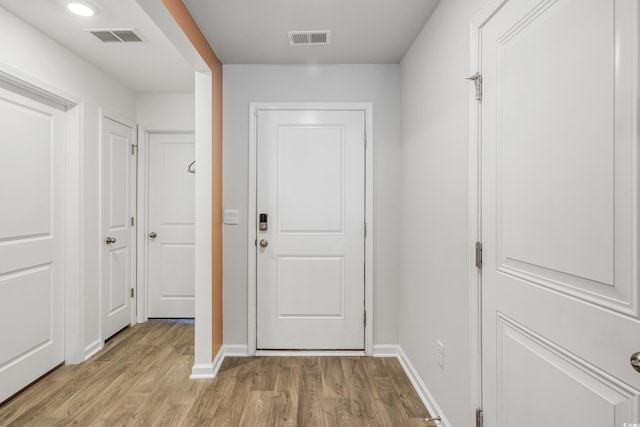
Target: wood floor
141	379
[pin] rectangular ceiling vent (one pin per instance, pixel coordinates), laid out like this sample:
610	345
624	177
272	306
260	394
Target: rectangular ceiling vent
119	35
309	38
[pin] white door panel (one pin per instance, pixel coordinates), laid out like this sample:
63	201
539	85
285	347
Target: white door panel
117	209
171	259
311	186
32	156
559	213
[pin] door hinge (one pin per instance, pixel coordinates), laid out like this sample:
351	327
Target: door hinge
364	318
479	417
477	80
365	141
478	254
365	229
133	148
132	293
132	222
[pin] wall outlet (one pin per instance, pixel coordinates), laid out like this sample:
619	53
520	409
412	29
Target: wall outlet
440	358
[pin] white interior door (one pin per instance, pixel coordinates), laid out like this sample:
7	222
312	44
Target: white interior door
171	226
32	189
117	234
310	259
560	214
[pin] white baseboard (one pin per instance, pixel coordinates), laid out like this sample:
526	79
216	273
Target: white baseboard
421	389
386	350
217	361
210	370
235	350
202	370
92	349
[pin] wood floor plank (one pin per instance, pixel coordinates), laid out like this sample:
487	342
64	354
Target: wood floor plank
362	402
333	383
310	402
141	378
387	403
339	413
374	366
206	404
284	409
408	396
229	411
264	378
257	409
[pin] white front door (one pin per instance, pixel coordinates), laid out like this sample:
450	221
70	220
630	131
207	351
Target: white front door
310	257
32	200
117	230
171	232
560	214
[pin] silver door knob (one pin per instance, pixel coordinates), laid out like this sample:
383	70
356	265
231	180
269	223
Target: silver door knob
153	235
635	361
264	243
110	240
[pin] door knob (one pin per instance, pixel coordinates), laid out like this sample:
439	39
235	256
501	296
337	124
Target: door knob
264	243
635	361
153	235
110	240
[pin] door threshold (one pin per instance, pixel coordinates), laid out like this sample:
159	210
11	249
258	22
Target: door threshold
310	353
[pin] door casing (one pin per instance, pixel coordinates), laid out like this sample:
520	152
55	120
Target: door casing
254	107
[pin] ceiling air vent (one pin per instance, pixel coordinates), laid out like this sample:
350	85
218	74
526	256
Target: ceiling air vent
120	35
308	38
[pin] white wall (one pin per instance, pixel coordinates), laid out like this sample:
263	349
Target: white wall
29	52
166	111
379	84
434	302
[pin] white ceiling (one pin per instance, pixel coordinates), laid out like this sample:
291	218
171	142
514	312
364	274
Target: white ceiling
363	31
240	32
153	66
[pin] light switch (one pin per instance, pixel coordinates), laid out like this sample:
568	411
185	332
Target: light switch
231	216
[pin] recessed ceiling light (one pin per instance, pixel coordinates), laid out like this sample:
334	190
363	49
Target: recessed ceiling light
82	9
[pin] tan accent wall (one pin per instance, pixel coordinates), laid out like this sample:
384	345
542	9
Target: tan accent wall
183	17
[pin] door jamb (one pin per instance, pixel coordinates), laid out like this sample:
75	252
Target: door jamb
475	200
142	212
367	108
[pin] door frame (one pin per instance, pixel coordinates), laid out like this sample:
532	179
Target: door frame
73	257
106	114
254	107
142	212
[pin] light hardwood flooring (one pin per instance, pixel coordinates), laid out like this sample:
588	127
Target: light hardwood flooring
141	378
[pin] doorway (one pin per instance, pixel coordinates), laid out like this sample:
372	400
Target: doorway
33	234
311	177
170	225
118	221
